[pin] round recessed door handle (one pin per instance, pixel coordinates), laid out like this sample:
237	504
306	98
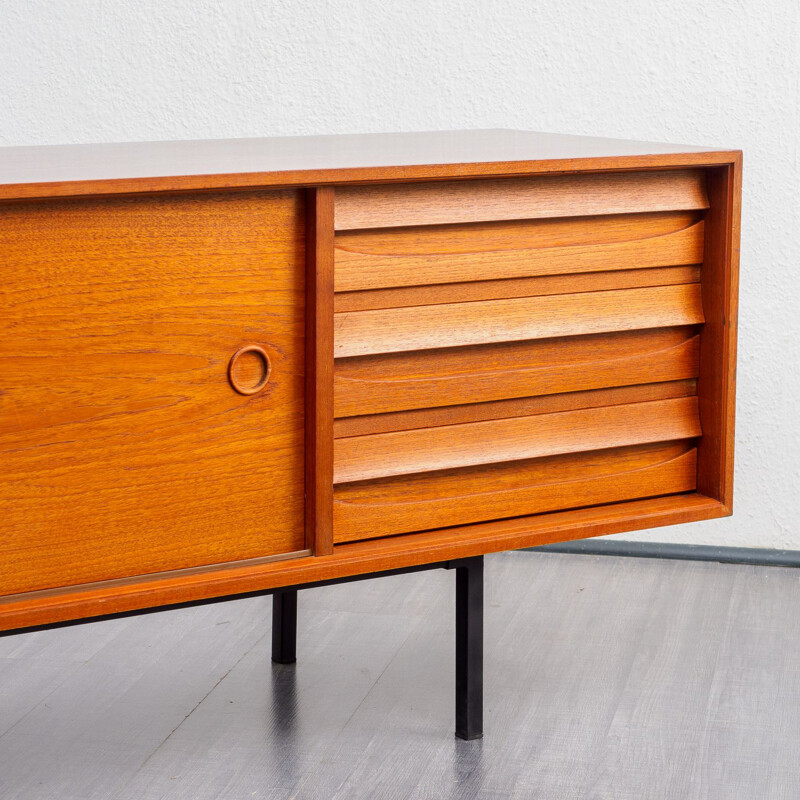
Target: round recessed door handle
248	369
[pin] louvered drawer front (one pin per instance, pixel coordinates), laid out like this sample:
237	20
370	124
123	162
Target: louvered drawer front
512	347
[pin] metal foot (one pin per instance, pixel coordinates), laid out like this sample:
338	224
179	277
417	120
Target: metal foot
469	647
284	627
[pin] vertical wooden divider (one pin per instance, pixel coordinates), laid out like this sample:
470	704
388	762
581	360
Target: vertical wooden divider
319	372
716	384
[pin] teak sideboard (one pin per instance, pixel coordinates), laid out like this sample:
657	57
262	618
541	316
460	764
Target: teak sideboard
235	366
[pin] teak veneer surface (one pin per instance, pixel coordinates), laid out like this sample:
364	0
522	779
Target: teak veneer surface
548	196
360	333
475	341
124	448
443	290
319	373
429	378
513	287
356	271
494	491
514	234
717	374
381	455
514	407
356	558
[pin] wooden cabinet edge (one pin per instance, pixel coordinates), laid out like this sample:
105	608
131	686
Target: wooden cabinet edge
716	385
303	178
358	558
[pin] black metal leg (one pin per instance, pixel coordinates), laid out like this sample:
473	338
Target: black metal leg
284	627
469	648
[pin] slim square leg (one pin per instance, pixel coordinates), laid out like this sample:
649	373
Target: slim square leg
284	627
469	648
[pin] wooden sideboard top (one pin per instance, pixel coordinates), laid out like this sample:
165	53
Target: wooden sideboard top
87	169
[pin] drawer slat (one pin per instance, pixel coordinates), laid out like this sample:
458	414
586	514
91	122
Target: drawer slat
386	206
398	381
517	407
357	271
459	497
459	324
513	287
518	234
360	458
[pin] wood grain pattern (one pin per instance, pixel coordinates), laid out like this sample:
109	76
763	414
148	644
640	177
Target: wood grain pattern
132	463
459	497
516	234
124	449
357	271
520	198
473	291
382	455
356	558
319	372
395	330
717	374
399	381
515	407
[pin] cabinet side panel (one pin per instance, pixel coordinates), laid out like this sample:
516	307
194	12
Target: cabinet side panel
124	448
716	384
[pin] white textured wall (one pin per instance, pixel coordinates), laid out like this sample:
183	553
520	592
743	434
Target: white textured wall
698	72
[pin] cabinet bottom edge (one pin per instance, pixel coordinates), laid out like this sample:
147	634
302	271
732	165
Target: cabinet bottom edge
228	581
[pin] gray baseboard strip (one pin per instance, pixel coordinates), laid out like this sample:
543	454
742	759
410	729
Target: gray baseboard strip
764	557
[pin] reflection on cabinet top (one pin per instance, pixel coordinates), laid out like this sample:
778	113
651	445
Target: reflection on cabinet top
113	168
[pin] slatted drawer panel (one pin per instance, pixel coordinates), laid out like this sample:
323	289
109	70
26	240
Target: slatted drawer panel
537	197
397	330
497	491
513	347
431	378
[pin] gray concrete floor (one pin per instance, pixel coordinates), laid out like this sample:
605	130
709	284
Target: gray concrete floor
605	678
